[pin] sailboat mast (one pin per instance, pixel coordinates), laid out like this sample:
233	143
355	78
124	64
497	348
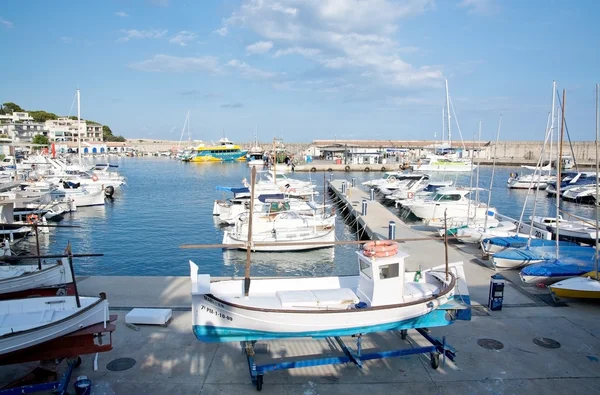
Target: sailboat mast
558	169
478	164
597	172
493	173
79	124
443	125
249	244
449	116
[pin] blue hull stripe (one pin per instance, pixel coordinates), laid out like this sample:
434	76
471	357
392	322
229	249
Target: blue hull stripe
438	317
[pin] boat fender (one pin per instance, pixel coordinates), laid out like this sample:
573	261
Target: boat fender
367	170
109	191
410	195
360	305
94	178
313	169
347	168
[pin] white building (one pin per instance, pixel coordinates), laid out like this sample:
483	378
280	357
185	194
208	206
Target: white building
20	128
67	130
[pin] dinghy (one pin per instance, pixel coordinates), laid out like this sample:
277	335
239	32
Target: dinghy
18	278
585	287
556	270
493	245
28	322
383	296
513	258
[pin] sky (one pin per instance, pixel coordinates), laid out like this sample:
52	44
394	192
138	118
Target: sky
305	69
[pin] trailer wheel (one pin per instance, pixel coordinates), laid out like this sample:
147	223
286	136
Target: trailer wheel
259	382
403	334
435	360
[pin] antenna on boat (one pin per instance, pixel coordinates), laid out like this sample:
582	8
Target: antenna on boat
597	172
560	150
249	244
446	241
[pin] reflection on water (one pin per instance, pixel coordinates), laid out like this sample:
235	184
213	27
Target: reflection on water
315	262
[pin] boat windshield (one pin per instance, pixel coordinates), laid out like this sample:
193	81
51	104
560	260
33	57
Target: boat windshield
443	197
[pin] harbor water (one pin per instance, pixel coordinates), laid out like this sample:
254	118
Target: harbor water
168	203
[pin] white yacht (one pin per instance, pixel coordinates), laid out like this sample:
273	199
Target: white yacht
452	201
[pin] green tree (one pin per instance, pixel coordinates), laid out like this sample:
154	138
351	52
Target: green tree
40	139
42	116
10	107
108	135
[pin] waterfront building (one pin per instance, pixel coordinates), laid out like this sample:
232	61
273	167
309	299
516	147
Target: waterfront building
66	129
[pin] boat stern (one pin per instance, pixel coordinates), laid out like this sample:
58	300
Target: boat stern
458	304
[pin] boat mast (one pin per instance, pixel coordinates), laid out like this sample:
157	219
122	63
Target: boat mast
478	164
492	177
249	244
558	169
597	172
449	116
443	125
183	129
274	161
78	125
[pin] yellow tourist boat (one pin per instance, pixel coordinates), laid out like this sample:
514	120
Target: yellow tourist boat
224	151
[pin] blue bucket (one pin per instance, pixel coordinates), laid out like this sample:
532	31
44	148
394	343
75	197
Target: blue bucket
83	386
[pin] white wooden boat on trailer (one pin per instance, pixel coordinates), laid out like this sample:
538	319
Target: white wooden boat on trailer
43	279
382	297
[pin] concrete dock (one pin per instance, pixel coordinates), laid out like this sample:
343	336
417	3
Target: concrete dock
500	352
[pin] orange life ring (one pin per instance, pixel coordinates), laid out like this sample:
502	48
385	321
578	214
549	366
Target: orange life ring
380	248
410	195
31	218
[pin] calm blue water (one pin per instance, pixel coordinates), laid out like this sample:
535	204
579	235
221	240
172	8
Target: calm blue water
168	203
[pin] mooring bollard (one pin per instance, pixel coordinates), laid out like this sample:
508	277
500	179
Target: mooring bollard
344	188
392	230
364	207
330	176
372	194
353	182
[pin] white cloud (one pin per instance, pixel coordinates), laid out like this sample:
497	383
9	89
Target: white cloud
6	23
250	72
259	47
222	31
141	34
66	39
480	7
306	52
121	14
168	63
182	38
345	36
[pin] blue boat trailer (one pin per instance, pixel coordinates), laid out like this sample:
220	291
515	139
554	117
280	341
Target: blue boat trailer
437	348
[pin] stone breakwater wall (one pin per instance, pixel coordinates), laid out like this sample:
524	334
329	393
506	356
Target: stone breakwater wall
506	151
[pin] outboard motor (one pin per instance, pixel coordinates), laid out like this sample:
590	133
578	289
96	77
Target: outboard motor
109	191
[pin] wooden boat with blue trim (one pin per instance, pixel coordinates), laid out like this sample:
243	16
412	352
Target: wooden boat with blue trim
383	296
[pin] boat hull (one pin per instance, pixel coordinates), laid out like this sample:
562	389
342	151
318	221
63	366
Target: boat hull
17	278
93	311
239	241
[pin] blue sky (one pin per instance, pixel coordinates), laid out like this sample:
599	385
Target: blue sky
304	69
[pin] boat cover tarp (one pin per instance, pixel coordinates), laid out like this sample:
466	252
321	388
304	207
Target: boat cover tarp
564	267
520	242
547	253
233	189
272	197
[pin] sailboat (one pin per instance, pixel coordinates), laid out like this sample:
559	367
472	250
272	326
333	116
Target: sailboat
588	286
383	296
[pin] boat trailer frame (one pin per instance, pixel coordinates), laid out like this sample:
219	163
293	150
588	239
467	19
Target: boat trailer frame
438	347
84	341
